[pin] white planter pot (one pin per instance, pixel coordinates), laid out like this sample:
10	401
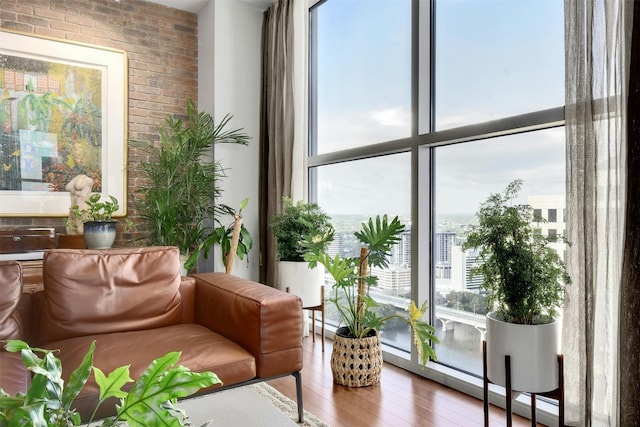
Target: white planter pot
183	270
302	281
533	350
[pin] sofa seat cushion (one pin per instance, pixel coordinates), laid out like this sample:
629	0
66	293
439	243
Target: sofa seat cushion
14	377
202	350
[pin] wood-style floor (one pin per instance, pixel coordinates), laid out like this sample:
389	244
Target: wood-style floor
400	399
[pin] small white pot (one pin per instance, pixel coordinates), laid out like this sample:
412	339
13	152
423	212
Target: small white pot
533	350
302	281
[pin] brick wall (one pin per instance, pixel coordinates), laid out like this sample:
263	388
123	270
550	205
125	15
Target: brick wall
162	48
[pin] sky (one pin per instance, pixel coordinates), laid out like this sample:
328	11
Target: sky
494	58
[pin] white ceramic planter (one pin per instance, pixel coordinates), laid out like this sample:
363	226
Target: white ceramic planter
302	281
533	350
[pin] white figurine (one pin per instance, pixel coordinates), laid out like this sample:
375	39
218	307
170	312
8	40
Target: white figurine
80	190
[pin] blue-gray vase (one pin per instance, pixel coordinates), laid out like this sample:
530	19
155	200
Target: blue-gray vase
99	234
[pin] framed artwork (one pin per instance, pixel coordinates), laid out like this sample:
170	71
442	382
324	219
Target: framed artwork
63	113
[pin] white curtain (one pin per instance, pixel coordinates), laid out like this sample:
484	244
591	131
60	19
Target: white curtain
597	51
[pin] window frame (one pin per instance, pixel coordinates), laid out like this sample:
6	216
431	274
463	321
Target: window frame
421	144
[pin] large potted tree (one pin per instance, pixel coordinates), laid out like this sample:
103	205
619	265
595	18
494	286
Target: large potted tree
356	359
524	278
297	222
181	184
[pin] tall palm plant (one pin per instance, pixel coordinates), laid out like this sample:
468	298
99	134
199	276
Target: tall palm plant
178	206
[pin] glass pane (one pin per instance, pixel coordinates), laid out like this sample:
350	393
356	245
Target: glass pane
353	192
497	58
363	62
465	175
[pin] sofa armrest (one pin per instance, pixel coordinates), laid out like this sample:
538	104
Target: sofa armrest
265	321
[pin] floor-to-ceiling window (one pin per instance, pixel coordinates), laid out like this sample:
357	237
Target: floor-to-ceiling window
421	109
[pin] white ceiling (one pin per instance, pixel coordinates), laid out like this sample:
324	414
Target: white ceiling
196	6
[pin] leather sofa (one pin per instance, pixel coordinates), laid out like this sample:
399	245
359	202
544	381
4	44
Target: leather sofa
136	306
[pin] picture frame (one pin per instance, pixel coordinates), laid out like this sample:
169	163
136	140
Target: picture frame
63	112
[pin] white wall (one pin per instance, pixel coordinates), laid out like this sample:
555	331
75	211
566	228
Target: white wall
229	82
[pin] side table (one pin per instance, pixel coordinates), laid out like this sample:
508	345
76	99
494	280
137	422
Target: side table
70	241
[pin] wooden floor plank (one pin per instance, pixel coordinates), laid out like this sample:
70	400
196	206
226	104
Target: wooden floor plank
400	399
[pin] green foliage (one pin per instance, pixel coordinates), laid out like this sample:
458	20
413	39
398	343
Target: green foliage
178	205
222	235
97	210
467	301
298	222
524	277
150	402
359	312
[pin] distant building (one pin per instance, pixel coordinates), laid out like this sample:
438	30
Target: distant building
552	211
461	264
442	254
396	280
337	245
401	252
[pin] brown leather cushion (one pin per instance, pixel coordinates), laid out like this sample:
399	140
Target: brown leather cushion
14	377
103	291
10	292
202	350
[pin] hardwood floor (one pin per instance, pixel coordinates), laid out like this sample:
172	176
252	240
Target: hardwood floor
400	399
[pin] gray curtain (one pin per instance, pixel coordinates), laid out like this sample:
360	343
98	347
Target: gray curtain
277	126
597	69
629	348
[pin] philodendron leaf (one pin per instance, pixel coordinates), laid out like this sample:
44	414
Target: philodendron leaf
78	378
243	204
31	415
14	346
111	386
423	332
146	404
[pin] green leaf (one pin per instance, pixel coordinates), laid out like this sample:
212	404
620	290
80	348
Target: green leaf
111	386
145	404
14	346
78	377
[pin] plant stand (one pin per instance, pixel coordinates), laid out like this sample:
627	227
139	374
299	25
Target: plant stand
558	393
313	310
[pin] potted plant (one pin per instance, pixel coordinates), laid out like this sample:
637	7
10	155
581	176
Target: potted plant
98	223
182	182
359	338
297	222
234	240
523	278
150	401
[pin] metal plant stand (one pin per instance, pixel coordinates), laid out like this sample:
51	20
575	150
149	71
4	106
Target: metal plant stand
557	394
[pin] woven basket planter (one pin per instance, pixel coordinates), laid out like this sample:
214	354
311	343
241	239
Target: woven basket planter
356	362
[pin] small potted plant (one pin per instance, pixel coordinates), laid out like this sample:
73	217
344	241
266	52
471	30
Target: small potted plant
524	278
297	222
359	337
97	218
